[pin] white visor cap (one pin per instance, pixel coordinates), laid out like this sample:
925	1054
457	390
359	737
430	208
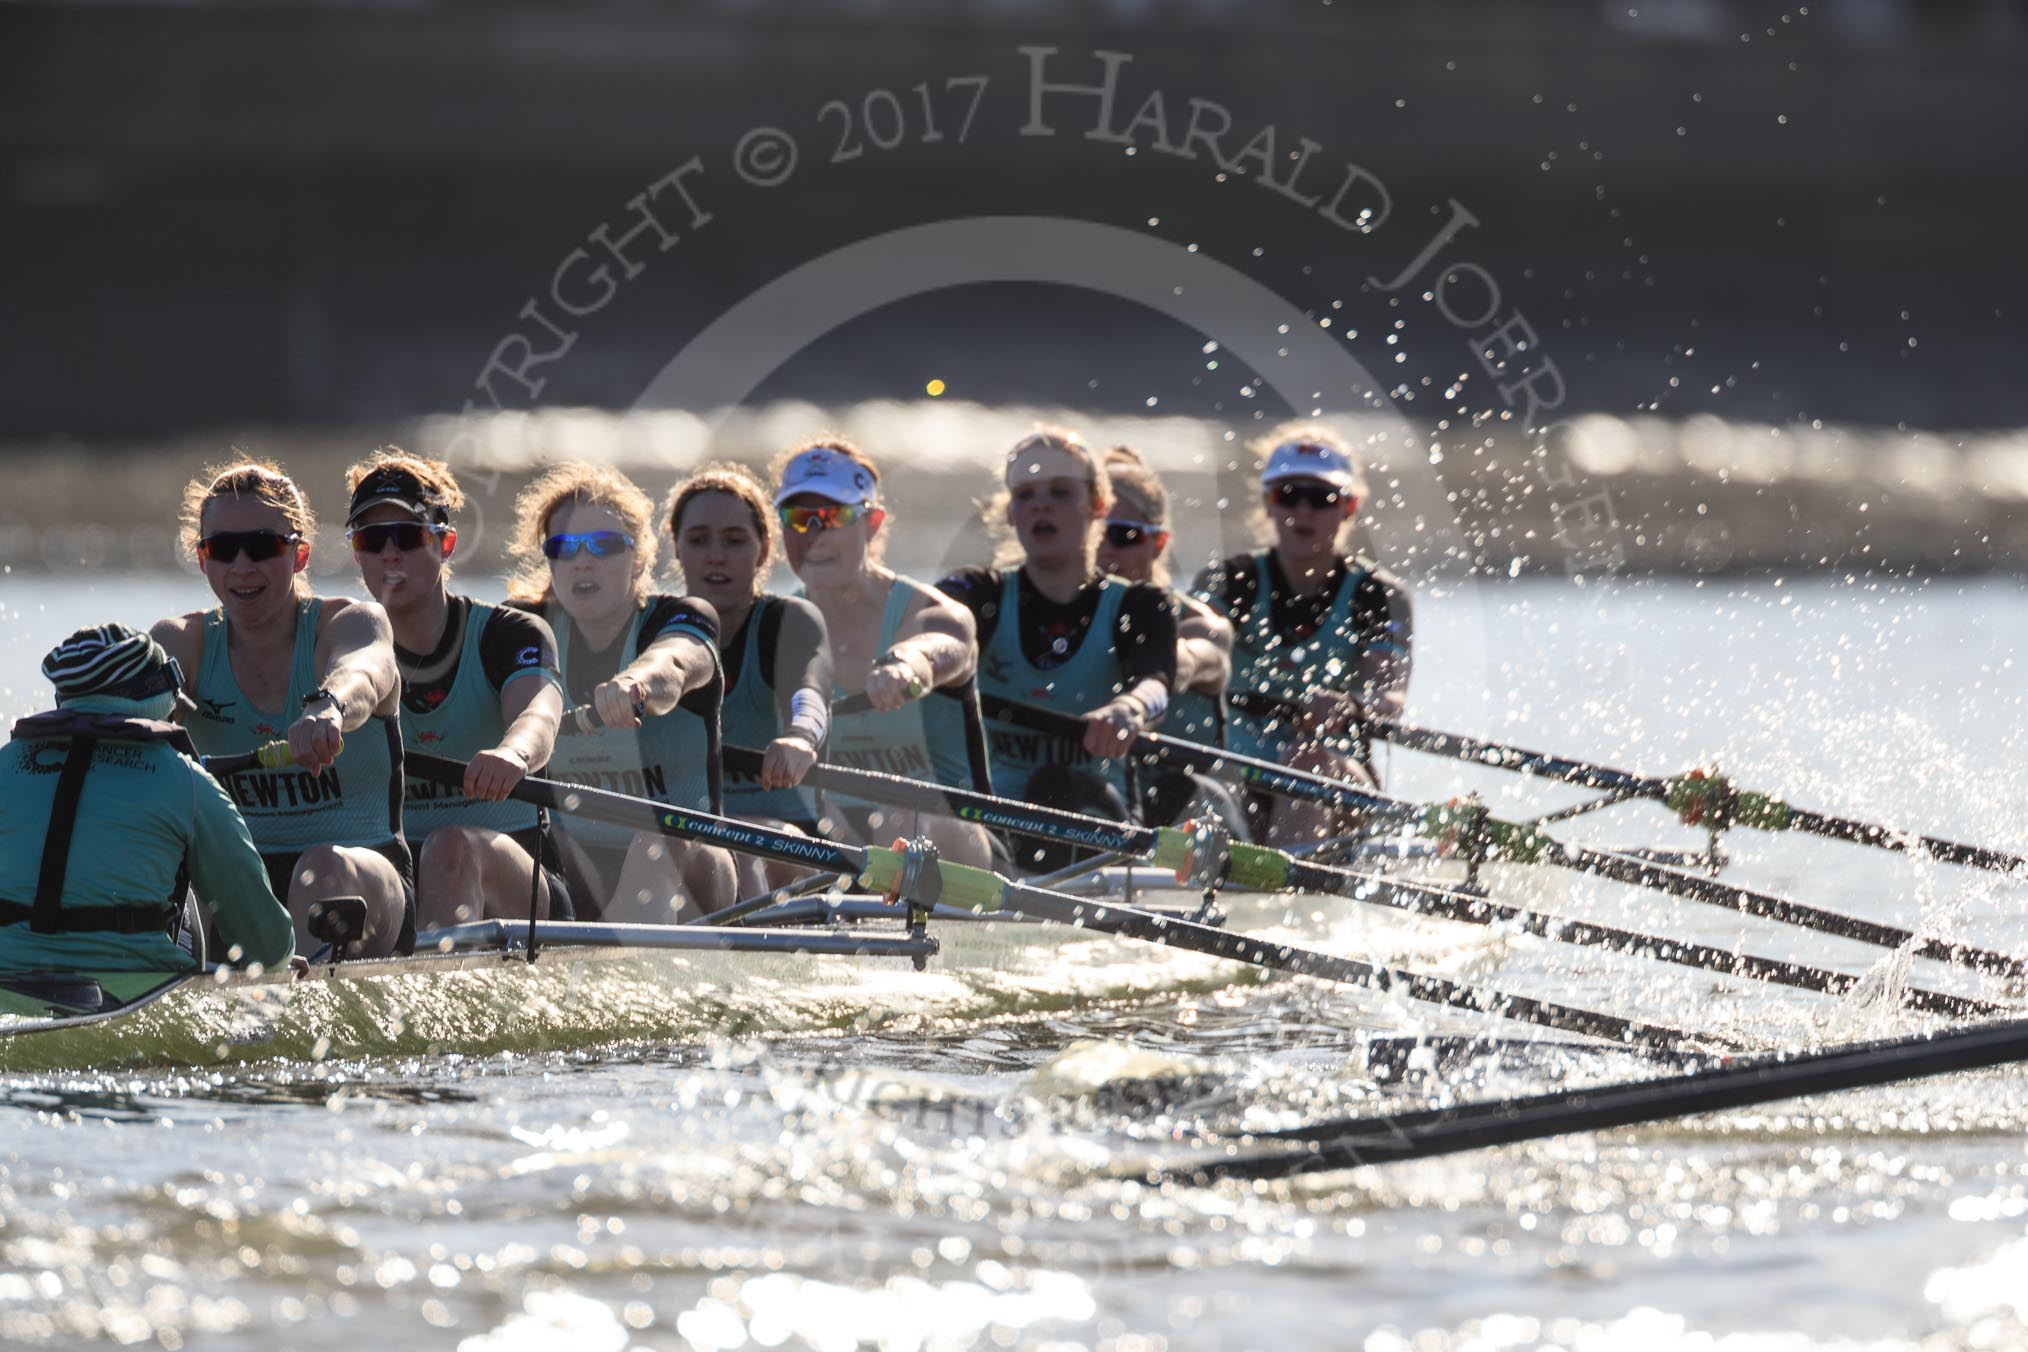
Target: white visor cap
1309	460
825	473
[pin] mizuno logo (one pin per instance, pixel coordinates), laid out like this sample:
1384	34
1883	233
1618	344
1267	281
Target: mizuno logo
214	709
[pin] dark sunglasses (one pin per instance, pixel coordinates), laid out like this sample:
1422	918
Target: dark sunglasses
1307	494
259	545
1127	534
405	535
602	544
803	520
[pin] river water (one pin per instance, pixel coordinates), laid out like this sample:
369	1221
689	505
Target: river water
834	1156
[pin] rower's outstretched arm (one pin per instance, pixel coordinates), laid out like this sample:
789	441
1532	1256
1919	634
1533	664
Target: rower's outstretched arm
943	653
532	708
667	670
949	643
357	678
358	667
518	651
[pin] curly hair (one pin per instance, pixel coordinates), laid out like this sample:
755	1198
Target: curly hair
724	476
246	477
577	483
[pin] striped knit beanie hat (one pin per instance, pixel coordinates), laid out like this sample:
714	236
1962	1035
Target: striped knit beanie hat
101	660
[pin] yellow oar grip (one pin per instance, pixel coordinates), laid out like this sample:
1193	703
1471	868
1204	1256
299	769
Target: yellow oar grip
967	888
1255	867
274	755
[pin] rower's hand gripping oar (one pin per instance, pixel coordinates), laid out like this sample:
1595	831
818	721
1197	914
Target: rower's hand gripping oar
267	756
885	870
583	720
1511	841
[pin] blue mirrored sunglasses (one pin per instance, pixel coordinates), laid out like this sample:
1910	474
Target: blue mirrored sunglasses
603	544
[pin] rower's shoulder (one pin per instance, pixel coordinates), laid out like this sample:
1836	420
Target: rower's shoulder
793	620
182	637
927	603
665	613
347	625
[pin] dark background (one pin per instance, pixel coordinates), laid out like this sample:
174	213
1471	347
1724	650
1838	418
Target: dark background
226	214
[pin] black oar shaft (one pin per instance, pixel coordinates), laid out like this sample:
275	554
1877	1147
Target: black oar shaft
1126	921
1750	901
1881	837
1178	933
1502	756
824	855
1430	899
999	814
1348	1143
1568	770
1152	748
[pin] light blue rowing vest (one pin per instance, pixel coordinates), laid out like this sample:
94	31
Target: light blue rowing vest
1088	679
665	759
354	801
1289	669
467	722
924	739
751	720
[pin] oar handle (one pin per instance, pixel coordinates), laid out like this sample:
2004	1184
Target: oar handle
582	720
267	756
862	703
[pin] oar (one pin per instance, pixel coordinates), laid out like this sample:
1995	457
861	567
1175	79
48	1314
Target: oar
1390	1138
883	870
580	720
1271	870
1695	795
267	756
1263	869
1514	841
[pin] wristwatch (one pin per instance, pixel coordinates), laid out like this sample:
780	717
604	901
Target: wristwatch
322	693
